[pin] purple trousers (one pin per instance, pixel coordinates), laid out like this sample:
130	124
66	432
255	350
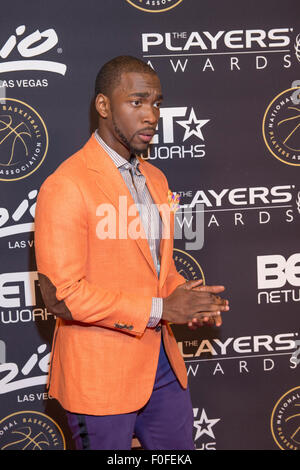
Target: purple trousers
164	423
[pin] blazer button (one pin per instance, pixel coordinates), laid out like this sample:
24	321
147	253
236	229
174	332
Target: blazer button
158	328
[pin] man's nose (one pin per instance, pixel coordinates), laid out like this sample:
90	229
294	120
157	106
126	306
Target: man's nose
150	115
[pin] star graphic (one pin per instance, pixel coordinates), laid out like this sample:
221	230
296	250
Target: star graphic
193	126
204	425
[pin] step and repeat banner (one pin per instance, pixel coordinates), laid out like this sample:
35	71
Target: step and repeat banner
229	142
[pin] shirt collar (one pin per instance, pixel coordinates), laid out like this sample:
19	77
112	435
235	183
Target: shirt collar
120	162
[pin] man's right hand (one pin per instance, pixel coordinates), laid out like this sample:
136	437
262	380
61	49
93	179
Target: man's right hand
188	302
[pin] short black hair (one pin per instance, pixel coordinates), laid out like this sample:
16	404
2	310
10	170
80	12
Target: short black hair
109	75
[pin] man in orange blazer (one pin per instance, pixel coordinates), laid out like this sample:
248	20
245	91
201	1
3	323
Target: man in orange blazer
104	255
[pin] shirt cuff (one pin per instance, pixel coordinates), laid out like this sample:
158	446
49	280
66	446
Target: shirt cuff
156	312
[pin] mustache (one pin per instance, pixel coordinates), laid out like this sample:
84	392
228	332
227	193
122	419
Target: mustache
150	129
127	142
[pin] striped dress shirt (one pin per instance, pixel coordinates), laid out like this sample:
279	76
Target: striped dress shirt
151	220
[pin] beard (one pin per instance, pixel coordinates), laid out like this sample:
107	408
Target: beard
127	143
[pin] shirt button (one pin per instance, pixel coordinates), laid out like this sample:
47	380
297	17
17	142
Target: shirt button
158	328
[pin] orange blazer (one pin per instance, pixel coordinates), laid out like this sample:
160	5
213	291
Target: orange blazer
103	358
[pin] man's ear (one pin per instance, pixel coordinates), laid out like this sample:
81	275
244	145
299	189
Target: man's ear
102	105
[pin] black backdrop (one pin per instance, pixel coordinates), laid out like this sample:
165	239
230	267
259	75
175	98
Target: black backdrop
228	139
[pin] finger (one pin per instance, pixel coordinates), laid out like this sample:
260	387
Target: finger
209	320
210	309
192	326
195	323
192	284
218	300
211	289
218	320
199	321
206	298
205	316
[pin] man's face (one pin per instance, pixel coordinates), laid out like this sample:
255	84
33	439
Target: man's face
134	113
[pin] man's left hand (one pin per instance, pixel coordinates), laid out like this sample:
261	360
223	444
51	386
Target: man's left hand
209	321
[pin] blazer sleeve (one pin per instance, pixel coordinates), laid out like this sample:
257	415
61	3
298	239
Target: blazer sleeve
61	244
174	279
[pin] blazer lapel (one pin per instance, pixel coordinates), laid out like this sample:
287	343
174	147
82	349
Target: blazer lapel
159	196
113	186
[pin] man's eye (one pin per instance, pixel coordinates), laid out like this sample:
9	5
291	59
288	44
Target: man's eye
136	102
157	105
